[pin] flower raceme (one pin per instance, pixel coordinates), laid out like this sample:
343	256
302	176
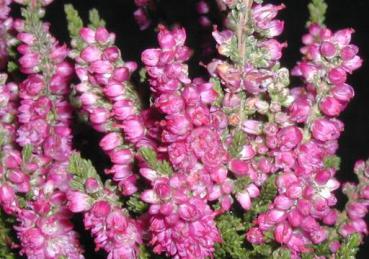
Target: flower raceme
237	143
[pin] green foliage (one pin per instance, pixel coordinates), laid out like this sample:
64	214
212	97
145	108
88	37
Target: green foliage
281	253
75	22
161	166
27	152
317	10
332	162
135	205
12	66
319	250
5	239
143	75
349	247
262	202
95	20
233	234
81	169
143	253
262	251
238	141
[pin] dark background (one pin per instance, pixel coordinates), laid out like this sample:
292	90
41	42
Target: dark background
354	143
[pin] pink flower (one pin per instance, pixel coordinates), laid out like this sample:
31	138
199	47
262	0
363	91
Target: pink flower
198	235
244	199
273	48
337	76
78	201
282	233
121	156
133	129
239	167
32	86
178	124
328	49
110	141
325	130
181	156
169	103
343	92
255	236
252	127
356	210
150	57
7	195
330	106
289	137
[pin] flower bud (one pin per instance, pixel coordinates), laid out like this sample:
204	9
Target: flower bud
150	57
252	127
328	49
343	92
330	106
91	53
111	141
88	35
282	233
91	185
78	201
325	130
244	199
337	76
150	196
255	236
134	129
122	157
101	209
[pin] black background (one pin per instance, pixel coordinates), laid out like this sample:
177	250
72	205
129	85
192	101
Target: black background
354	143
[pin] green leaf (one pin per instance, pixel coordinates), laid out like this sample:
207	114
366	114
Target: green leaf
95	20
135	205
349	248
75	22
238	141
27	152
317	10
161	166
332	162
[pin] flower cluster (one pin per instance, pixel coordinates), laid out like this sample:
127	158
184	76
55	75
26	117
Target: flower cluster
190	136
106	96
358	205
232	164
303	208
6	23
110	225
37	166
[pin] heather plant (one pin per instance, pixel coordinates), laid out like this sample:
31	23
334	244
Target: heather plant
236	163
